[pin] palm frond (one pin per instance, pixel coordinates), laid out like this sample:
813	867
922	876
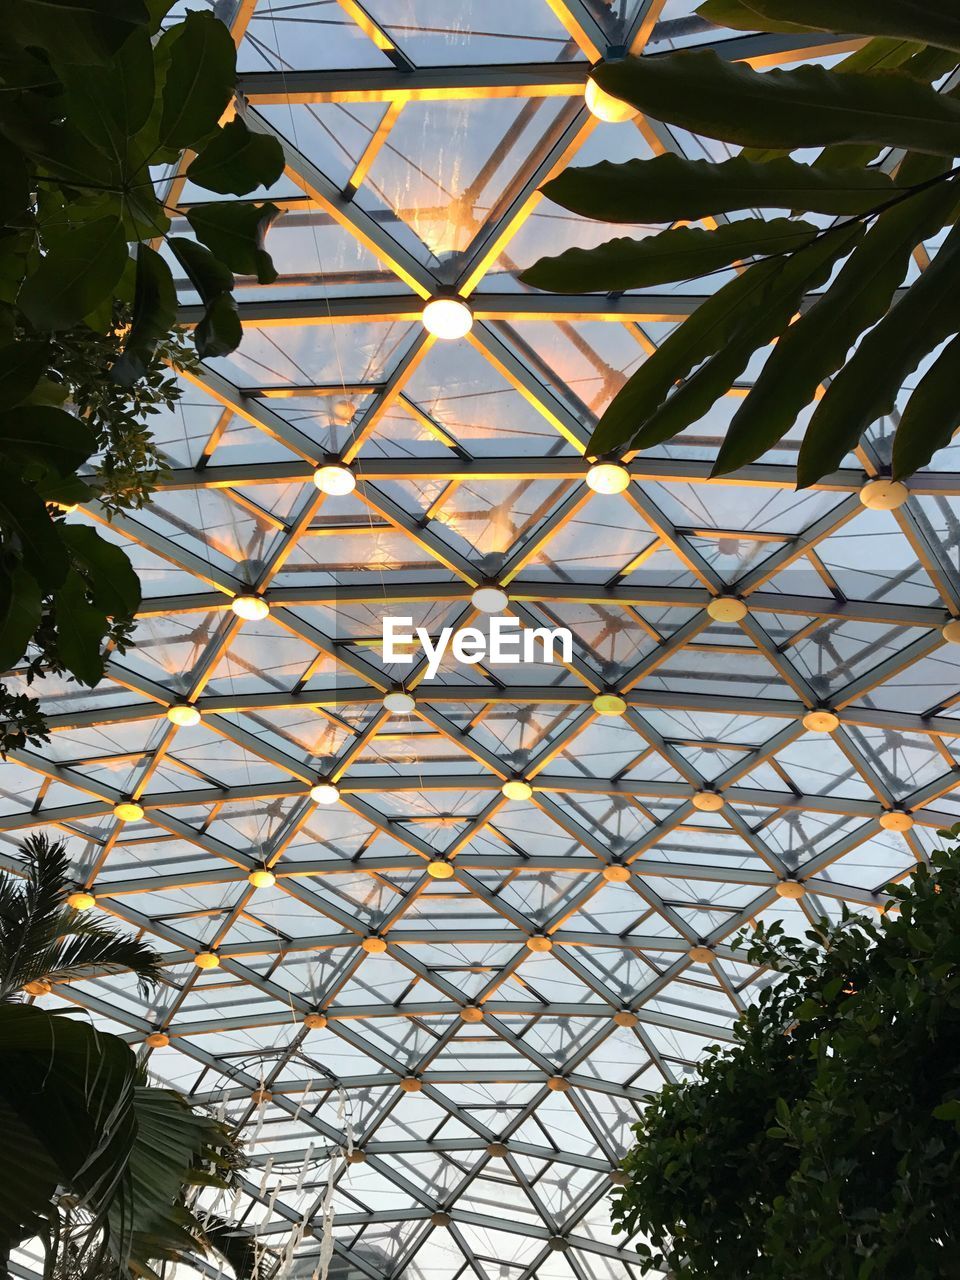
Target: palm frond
103	949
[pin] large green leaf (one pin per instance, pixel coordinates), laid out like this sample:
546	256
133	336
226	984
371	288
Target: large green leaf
867	386
14	190
816	346
672	255
73	30
926	21
736	321
81	627
21	364
808	107
154	315
70	1091
46	434
932	414
111	107
24	517
669	188
236	161
114	586
219	332
742	17
19	616
235	231
199	81
81	268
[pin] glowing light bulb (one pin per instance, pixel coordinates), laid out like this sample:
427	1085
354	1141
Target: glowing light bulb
896	820
250	608
38	987
471	1013
336	481
726	609
539	944
609	704
884	495
791	889
605	106
325	793
128	811
81	900
314	1021
608	477
558	1084
410	1084
207	960
616	874
701	955
951	632
374	946
399	703
439	869
517	789
707	801
343	411
447	318
625	1018
820	721
183	714
261	878
490	599
157	1040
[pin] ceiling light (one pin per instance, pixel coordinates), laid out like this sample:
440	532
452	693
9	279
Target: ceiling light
334	480
250	608
605	106
157	1040
517	789
356	1157
439	869
261	878
324	793
821	721
410	1084
608	477
537	942
81	900
207	960
183	714
497	1149
896	820
558	1084
615	874
726	609
38	987
471	1013
128	811
314	1021
951	632
884	495
398	702
625	1018
701	955
447	318
707	801
343	411
260	1096
440	1219
374	946
792	889
490	599
609	704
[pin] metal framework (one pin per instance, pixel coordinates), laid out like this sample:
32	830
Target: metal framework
416	138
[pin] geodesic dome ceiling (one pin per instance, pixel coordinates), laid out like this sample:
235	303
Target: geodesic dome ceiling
417	133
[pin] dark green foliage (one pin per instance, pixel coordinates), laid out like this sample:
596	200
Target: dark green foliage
880	97
95	107
825	1143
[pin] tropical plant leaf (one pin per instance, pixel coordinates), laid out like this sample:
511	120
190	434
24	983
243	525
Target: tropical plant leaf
926	21
114	587
199	82
81	268
73	30
808	107
932	414
235	232
48	435
720	336
21	367
20	615
740	16
672	255
109	109
24	515
236	161
866	387
669	188
154	315
219	332
813	348
81	627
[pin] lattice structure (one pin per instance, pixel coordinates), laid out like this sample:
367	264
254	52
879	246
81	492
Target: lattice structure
417	133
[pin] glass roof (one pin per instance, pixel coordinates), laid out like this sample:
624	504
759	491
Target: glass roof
417	133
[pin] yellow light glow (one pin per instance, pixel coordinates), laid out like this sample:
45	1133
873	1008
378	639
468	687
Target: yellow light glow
128	811
517	789
821	721
325	793
625	1018
616	875
207	960
605	106
791	889
490	599
447	318
250	608
261	878
356	1157
260	1096
701	955
558	1084
343	411
471	1013
374	946
951	632
157	1040
884	495
726	609
609	704
410	1084
38	987
314	1021
896	820
399	703
335	481
81	900
539	943
183	714
439	869
707	801
608	478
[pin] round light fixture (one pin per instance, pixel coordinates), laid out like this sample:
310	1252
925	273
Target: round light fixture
608	477
410	1084
707	801
558	1244
261	878
81	900
497	1149
490	599
616	874
440	1219
726	609
324	793
38	987
183	714
343	411
558	1084
334	480
447	318
701	955
884	495
791	889
314	1021
471	1013
539	943
896	820
398	703
517	789
605	106
374	946
207	960
820	721
357	1157
128	811
250	608
437	869
951	632
157	1040
260	1096
609	704
625	1018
